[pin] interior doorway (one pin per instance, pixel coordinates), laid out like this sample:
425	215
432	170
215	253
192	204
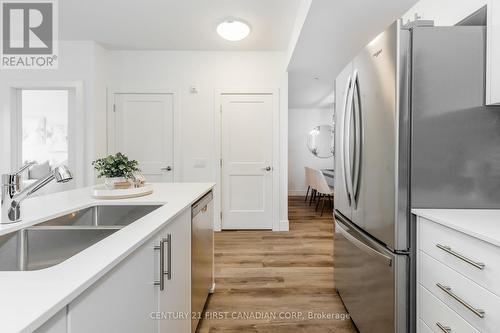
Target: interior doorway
247	161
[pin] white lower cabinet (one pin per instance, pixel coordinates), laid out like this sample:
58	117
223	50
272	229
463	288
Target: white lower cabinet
174	301
458	280
128	299
121	301
56	324
422	327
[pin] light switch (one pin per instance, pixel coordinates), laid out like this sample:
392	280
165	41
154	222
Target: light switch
200	163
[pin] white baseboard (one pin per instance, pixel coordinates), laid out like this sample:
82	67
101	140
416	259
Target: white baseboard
297	193
284	226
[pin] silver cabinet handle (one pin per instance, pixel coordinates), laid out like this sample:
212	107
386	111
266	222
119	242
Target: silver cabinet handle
161	248
168	168
168	272
268	168
447	290
445	329
447	249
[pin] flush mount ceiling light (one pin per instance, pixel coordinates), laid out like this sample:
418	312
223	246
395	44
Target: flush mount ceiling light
233	30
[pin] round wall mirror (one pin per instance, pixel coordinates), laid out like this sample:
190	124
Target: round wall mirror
320	141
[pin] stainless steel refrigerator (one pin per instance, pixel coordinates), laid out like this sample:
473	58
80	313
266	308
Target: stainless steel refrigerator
411	131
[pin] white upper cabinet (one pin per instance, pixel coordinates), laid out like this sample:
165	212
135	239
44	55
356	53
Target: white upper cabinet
493	61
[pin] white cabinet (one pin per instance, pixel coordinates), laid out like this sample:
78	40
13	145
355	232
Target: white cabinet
128	299
56	324
174	301
458	279
493	49
122	300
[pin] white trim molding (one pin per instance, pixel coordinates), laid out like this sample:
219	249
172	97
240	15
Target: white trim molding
284	225
76	117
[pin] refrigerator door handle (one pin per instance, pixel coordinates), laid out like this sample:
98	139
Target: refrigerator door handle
348	115
362	246
345	139
358	137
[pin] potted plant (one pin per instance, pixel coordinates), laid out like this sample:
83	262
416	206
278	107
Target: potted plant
116	169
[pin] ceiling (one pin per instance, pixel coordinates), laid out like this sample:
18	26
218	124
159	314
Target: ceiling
332	34
177	24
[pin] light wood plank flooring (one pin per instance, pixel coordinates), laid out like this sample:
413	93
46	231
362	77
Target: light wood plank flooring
264	273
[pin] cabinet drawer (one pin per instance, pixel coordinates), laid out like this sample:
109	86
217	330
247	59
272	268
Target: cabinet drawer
465	297
422	327
463	253
436	314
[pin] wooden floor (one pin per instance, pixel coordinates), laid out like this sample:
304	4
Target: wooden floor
264	278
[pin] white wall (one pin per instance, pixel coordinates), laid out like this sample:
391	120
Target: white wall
169	71
102	71
77	64
300	123
444	12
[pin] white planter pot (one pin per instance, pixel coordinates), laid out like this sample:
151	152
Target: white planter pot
109	183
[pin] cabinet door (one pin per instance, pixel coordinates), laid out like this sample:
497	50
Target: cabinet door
122	301
493	65
174	300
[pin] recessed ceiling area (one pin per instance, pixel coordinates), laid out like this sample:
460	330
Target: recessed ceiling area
332	34
177	25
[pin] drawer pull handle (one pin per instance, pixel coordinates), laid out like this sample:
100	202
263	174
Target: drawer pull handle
447	249
445	329
446	289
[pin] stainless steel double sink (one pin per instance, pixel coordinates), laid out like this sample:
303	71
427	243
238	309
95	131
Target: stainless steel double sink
51	242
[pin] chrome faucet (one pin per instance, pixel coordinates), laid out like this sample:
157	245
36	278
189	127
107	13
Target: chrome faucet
13	194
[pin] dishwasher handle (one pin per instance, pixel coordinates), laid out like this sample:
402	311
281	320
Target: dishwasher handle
201	205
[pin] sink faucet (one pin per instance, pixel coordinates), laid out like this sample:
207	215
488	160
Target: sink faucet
13	195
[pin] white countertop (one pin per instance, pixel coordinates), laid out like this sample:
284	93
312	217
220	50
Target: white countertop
479	223
28	299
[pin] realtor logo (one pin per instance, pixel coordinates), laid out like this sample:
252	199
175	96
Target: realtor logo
29	34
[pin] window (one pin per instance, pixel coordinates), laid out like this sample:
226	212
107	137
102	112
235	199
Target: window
44	126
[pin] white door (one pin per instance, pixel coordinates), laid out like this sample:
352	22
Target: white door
143	130
247	155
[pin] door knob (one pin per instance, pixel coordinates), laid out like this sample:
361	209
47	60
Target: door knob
268	168
169	168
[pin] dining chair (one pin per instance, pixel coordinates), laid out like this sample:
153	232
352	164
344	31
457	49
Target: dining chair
323	189
311	184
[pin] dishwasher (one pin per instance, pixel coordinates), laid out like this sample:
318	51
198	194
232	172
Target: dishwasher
202	255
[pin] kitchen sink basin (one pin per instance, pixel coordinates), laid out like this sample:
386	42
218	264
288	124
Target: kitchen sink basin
102	215
51	242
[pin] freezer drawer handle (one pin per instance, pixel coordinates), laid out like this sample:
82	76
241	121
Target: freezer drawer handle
445	329
362	246
447	249
448	290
